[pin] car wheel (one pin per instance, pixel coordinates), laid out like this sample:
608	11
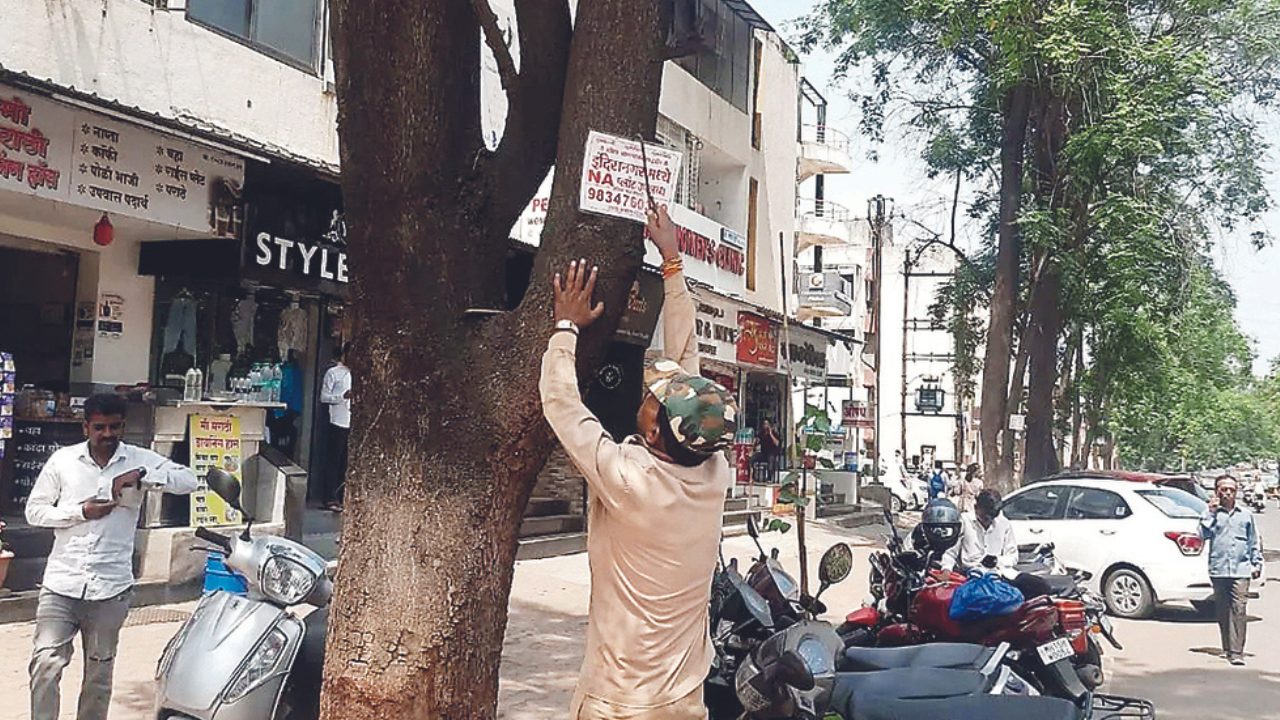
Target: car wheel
895	505
1128	594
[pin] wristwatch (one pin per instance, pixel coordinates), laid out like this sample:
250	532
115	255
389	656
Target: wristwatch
566	325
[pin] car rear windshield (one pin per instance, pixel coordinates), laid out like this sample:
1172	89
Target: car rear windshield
1174	502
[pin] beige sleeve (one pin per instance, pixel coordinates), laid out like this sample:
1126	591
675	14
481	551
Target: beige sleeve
585	440
678	341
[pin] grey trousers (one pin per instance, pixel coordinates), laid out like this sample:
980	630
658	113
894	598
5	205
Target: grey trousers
1230	596
58	619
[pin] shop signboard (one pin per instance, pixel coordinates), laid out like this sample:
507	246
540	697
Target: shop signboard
60	152
215	442
614	171
853	413
644	303
807	354
34	441
715	327
757	340
296	241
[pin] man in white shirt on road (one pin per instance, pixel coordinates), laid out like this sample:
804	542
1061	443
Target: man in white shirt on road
335	391
90	493
986	538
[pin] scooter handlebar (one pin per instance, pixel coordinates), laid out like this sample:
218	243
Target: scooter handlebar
212	537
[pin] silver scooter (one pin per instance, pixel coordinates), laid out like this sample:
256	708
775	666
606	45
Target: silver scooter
249	658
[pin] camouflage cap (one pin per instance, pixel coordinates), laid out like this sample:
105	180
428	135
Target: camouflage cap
703	415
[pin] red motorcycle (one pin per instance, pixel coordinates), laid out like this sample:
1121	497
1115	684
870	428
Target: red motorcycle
912	600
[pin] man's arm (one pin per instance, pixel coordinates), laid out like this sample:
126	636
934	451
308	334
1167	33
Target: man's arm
1255	548
585	440
1008	556
678	311
329	394
43	509
165	474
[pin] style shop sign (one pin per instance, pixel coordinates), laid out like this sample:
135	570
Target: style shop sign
312	260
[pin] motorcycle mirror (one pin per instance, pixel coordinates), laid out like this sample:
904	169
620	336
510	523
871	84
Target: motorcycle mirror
226	486
835	566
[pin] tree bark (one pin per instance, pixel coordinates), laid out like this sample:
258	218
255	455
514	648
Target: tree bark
1043	330
995	374
447	434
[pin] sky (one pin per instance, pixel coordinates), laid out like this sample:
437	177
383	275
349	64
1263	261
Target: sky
899	174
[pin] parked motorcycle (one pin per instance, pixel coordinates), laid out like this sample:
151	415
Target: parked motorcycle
1050	636
789	665
250	658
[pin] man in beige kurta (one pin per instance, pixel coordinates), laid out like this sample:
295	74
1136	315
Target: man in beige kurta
655	510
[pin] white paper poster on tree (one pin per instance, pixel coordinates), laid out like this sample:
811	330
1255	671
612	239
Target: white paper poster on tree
613	176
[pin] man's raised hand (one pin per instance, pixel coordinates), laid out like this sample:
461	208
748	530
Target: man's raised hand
662	232
573	294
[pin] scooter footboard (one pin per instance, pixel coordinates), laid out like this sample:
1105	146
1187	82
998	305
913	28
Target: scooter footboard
1116	707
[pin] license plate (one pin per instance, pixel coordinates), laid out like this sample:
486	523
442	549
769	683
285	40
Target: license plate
1055	650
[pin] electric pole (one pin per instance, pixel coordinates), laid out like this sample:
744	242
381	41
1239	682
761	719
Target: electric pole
878	208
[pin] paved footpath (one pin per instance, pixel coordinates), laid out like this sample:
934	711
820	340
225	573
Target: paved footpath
1168	660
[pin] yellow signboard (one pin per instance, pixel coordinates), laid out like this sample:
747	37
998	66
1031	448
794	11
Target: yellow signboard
215	442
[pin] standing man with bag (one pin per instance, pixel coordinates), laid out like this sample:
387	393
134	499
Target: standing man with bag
90	494
657	501
1235	556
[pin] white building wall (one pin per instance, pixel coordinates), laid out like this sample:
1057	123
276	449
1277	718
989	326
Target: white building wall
774	167
131	53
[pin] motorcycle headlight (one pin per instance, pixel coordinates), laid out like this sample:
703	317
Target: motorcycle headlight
259	666
286	581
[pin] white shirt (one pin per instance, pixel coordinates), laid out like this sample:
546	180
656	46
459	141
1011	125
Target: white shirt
93	559
977	542
337	381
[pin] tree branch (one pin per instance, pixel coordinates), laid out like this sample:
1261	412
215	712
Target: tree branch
534	100
493	38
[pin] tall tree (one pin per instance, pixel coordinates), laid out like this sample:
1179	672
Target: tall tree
447	434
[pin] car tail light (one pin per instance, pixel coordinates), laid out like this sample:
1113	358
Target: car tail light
1188	543
1071	615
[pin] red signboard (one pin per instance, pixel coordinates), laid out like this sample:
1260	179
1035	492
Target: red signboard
757	340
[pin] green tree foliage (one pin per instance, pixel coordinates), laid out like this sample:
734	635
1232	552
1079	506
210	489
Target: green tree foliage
1140	145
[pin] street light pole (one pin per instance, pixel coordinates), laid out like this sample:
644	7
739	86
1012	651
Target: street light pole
876	212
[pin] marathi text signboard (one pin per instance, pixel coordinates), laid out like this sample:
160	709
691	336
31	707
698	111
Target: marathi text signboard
854	414
613	176
34	442
215	442
757	340
807	353
55	151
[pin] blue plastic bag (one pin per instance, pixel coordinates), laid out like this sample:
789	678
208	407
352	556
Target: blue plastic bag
982	596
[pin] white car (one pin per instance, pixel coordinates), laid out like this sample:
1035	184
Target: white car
1140	542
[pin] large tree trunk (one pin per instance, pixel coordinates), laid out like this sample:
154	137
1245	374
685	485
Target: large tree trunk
1044	328
447	434
995	372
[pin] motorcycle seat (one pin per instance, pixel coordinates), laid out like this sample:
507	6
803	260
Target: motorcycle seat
962	656
1035	585
904	684
983	707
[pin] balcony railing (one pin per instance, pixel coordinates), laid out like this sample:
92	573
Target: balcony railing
823	151
822	222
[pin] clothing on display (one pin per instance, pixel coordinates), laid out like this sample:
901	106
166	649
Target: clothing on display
181	325
242	321
293	330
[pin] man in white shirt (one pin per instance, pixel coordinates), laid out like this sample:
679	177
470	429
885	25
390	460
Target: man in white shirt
986	538
90	494
335	391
